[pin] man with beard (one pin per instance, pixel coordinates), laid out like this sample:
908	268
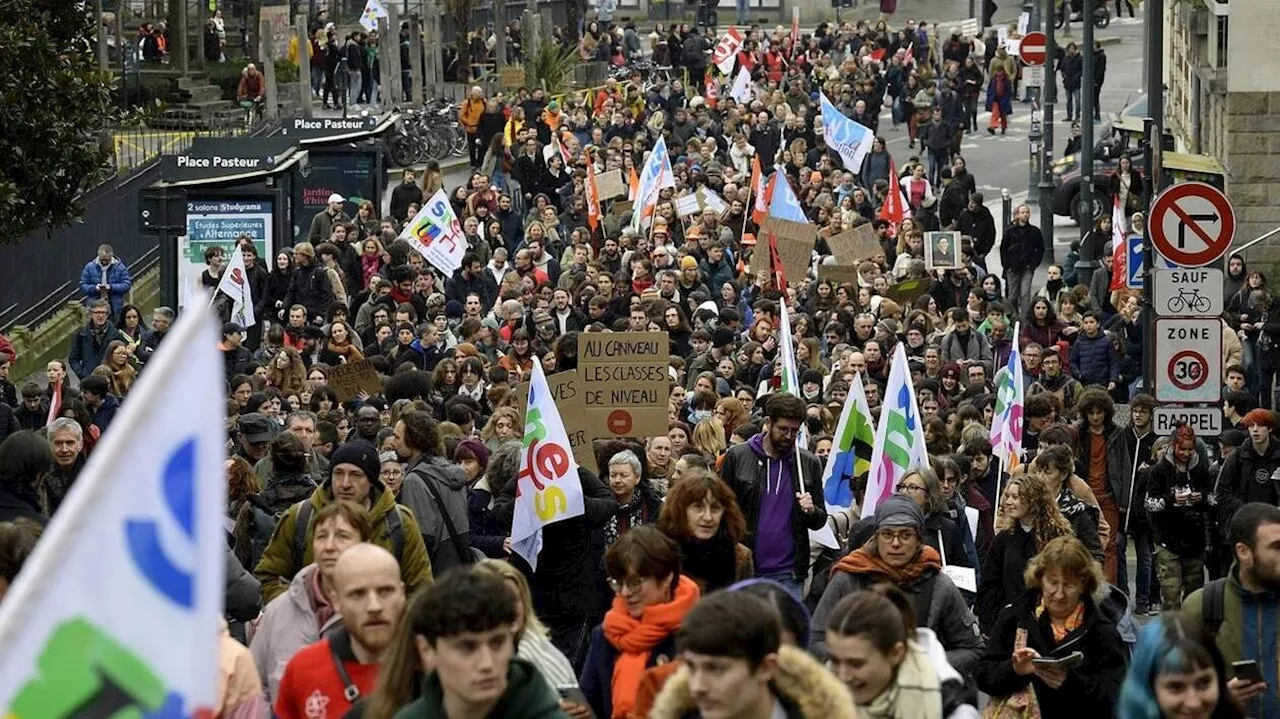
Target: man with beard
777	493
1239	610
1053	380
611	256
333	673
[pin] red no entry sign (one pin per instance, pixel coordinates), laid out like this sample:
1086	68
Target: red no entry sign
1034	48
1192	224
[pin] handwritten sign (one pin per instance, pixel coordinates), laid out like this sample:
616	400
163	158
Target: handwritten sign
563	387
711	201
624	380
795	246
687	205
349	380
855	245
511	77
610	184
839	274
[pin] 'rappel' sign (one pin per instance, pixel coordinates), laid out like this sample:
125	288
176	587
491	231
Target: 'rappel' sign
1192	224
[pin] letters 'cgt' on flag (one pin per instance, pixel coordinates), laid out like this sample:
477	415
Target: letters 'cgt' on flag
899	445
118	610
548	488
437	235
1006	423
655	175
235	284
846	136
851	449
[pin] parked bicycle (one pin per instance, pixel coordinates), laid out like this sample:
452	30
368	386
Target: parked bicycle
431	133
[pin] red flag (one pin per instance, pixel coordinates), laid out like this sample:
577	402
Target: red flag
712	93
763	192
1119	250
878	55
55	403
795	30
779	272
592	193
894	209
910	59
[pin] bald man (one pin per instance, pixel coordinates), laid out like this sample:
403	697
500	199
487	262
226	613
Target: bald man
368	593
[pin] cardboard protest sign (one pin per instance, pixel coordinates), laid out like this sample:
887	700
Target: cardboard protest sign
610	184
711	201
855	245
352	378
624	380
621	207
687	205
564	388
839	274
795	245
906	292
511	77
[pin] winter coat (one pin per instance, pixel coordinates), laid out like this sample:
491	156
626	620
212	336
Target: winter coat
1001	581
1248	620
405	194
801	685
311	288
288	624
88	350
1094	359
981	226
1021	248
1091	689
976	348
278	566
745	471
449	483
1072	69
486	534
1000	94
1248	476
115	275
1178	528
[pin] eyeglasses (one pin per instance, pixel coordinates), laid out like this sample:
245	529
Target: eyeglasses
632	584
902	536
391	473
950	479
905	487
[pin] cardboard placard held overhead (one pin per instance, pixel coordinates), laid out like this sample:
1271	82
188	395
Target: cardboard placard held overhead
624	381
610	184
795	245
687	205
855	245
839	274
349	380
906	291
621	207
564	388
711	201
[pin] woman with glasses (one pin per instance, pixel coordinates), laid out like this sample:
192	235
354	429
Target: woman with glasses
1052	652
651	598
940	532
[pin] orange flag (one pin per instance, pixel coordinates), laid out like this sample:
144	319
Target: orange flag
592	193
762	193
633	182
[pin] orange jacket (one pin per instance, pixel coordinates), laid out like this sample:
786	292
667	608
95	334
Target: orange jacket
469	115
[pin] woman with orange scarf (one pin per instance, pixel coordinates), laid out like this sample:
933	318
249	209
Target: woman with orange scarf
651	598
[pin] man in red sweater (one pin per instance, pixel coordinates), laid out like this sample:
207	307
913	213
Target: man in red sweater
326	678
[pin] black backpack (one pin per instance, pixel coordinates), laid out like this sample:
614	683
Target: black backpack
1212	606
301	529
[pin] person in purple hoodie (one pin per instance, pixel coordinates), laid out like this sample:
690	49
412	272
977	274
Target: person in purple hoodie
779	488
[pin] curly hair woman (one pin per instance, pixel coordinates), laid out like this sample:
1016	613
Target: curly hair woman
1029	519
286	372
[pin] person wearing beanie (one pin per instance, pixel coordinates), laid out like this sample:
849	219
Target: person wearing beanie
354	476
722	346
897	554
1252	472
690	279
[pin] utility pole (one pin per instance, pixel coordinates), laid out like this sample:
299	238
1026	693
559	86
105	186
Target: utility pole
1154	131
1036	134
1050	94
1084	208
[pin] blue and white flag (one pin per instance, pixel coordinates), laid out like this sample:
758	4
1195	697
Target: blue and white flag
850	138
548	488
118	610
655	175
784	204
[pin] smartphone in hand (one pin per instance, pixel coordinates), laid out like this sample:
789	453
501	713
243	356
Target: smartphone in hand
1248	671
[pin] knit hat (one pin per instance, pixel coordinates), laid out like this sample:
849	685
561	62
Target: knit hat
477	449
453	309
722	337
361	455
899	511
688	263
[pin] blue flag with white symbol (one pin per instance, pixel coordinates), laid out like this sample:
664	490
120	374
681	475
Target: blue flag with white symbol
848	137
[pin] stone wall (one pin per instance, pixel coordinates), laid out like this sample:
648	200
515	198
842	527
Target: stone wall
1253	163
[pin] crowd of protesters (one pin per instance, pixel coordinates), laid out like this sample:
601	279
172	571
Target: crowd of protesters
376	528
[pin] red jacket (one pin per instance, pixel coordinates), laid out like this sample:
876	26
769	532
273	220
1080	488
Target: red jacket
7	351
311	686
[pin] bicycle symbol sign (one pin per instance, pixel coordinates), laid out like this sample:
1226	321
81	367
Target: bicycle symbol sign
1188	292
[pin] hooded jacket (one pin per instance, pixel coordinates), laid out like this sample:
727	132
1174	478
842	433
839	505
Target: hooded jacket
746	469
277	568
527	697
947	614
1178	528
449	483
288	624
1248	476
804	688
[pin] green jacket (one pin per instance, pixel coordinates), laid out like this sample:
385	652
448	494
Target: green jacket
527	697
276	567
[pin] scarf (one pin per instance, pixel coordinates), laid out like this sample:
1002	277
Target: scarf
712	563
627	516
369	266
635	639
324	610
862	561
916	692
1070	624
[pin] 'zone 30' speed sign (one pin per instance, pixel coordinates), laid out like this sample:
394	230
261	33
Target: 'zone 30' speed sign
1188	359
